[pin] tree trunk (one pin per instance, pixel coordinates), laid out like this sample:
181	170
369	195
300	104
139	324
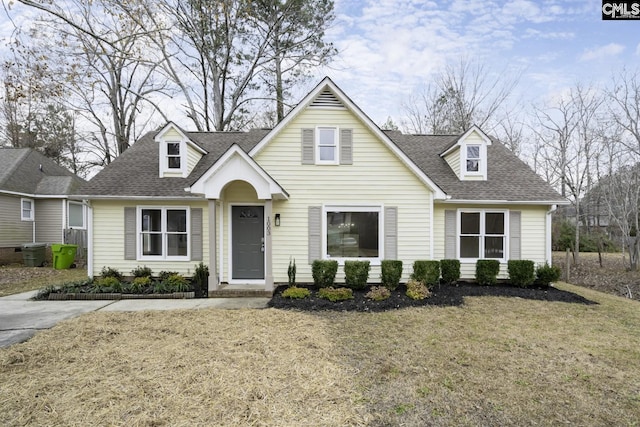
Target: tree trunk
633	243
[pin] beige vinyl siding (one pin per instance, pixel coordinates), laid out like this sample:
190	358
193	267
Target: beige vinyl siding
453	160
13	231
49	220
376	177
172	134
108	238
193	157
532	230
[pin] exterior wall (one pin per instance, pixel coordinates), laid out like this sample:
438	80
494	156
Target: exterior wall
532	234
108	238
193	157
48	215
376	176
453	159
13	231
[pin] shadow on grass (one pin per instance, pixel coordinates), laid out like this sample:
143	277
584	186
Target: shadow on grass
443	296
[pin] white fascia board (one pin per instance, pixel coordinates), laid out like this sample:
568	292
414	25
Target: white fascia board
506	202
464	136
327	83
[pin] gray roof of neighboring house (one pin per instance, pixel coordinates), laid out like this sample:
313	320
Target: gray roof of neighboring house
24	170
135	173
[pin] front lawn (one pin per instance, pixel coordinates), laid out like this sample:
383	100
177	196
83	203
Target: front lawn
493	360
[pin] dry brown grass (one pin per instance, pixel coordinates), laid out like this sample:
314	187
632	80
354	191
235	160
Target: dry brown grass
493	361
15	279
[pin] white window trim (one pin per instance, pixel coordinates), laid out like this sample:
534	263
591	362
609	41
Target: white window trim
483	212
32	212
84	216
482	166
164	158
354	208
164	256
336	157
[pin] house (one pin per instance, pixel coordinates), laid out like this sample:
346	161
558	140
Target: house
325	183
35	203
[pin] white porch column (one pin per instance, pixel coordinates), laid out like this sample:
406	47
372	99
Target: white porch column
268	253
213	269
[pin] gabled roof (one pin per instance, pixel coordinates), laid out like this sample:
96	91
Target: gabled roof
509	179
169	126
328	85
25	171
463	137
135	172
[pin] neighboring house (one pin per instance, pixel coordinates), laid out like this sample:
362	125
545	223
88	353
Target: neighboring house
35	206
326	182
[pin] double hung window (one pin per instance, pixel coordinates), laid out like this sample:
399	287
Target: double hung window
76	215
173	155
327	148
26	210
163	233
482	234
473	159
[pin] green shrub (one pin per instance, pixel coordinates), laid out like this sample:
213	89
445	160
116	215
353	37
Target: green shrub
450	269
427	272
335	294
547	274
111	272
176	283
201	277
142	272
521	272
378	293
487	271
324	272
164	275
295	292
356	274
108	284
417	290
291	272
139	283
391	273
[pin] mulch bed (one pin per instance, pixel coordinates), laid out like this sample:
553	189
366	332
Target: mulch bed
445	295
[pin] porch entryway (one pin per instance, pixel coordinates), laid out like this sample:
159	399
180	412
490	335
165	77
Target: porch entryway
247	243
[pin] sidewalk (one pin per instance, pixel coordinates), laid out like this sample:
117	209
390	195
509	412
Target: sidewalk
21	318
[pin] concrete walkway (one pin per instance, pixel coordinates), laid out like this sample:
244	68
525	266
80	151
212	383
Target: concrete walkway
21	318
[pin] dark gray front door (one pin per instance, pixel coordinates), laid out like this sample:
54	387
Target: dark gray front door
247	231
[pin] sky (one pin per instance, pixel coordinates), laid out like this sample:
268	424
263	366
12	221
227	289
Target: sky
390	49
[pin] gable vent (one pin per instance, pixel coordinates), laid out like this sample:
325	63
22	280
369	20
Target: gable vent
327	99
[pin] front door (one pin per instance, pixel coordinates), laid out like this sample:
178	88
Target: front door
247	247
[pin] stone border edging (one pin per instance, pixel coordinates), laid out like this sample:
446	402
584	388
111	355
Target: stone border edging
117	296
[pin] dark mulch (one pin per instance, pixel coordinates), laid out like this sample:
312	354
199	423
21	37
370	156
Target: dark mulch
444	295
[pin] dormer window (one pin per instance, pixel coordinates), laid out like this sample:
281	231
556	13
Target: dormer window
473	158
173	155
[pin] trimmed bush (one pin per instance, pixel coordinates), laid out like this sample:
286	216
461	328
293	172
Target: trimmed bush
201	277
324	272
295	292
427	272
356	274
139	284
487	271
335	294
108	284
378	293
547	274
391	273
521	272
142	272
164	275
291	272
417	290
450	269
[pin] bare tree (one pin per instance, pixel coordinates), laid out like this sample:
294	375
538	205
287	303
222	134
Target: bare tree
460	96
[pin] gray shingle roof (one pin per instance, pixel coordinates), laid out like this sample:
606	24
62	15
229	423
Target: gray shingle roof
508	177
135	172
20	172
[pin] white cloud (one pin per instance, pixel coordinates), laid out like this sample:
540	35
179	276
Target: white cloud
600	52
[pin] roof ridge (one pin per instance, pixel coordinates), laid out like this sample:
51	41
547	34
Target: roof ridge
9	171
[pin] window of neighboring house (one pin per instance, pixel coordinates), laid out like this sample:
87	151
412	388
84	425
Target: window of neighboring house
352	232
473	158
163	233
76	215
173	155
327	148
26	210
482	234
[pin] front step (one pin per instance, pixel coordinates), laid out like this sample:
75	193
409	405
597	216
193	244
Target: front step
241	291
